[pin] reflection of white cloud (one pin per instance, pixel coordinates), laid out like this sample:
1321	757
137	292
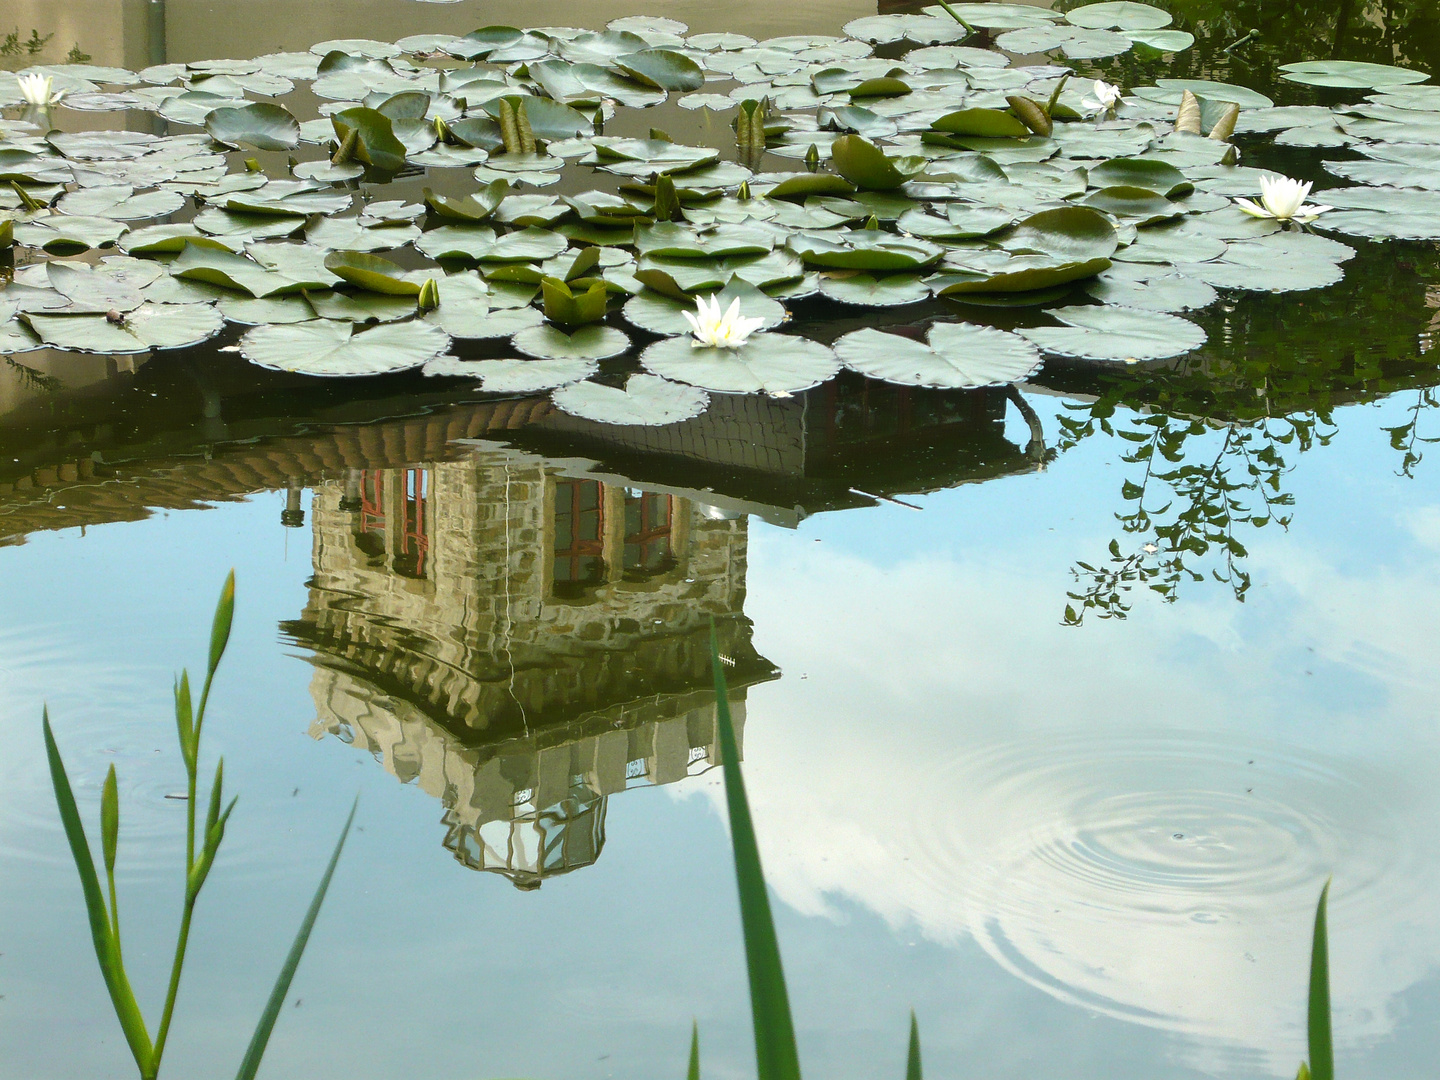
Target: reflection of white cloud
1116	813
1423	525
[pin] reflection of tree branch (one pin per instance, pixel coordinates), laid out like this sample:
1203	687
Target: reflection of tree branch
31	379
1404	437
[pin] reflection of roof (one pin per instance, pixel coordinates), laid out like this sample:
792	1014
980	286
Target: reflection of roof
80	491
96	457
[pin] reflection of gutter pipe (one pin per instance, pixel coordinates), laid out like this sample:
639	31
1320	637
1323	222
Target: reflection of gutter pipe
156	50
350	502
155	32
1035	449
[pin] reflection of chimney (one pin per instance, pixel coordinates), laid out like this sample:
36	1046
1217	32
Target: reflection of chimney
293	517
350	502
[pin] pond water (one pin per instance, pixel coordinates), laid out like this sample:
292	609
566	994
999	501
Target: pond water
1061	698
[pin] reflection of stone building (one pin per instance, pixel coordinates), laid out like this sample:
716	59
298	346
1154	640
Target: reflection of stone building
522	644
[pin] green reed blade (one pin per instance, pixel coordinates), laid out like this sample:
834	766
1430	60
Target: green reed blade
775	1053
694	1071
107	947
912	1060
258	1041
1322	1047
224	618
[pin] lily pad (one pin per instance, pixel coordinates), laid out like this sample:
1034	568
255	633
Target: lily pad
1110	332
150	326
663	69
329	348
1158	176
777	364
1075	233
1118	15
371	272
867	290
958	356
585	343
514	376
1350	74
261	125
646	401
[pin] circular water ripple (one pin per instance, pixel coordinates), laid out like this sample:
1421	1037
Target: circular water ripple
1118	871
103	713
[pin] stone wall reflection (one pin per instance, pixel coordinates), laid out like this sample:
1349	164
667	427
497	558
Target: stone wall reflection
522	644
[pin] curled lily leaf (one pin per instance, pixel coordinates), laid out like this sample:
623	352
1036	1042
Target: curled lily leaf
727	331
1283	199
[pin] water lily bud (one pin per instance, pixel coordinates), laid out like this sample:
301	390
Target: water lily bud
743	191
1188	118
252	165
429	298
812	158
1031	114
7	234
1225	126
656	135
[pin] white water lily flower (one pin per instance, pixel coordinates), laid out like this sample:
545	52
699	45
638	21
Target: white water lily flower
37	89
727	331
1283	199
1107	96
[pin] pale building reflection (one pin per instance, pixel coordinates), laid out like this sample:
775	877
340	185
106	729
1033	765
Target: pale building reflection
523	644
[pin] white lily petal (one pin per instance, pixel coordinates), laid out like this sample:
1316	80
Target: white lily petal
1253	209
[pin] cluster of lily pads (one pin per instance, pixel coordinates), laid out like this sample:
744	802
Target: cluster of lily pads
874	182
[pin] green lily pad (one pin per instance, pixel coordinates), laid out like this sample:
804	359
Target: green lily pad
868	167
1167	292
1140	204
1214	91
1158	176
988	123
328	348
216	266
1074	233
1021	274
1350	74
248	311
119	201
1118	15
91	291
776	364
801	186
375	142
347	234
674	241
150	326
261	125
958	356
514	376
645	401
585	343
371	272
866	290
662	69
1109	332
1076	42
864	249
66	234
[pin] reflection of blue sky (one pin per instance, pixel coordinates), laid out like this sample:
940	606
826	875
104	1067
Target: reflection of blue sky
1002	777
928	642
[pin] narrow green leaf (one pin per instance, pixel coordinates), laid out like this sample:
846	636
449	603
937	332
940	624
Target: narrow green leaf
109	820
212	814
912	1060
258	1041
1322	1049
693	1073
107	949
775	1053
185	720
224	616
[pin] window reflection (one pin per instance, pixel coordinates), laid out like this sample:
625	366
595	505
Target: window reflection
579	550
648	535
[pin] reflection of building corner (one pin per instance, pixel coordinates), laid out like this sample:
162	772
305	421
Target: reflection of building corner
522	644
